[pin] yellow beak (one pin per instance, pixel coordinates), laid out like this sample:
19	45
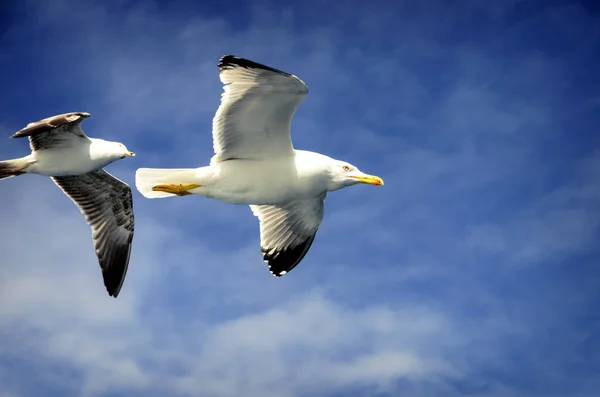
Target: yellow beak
130	154
369	179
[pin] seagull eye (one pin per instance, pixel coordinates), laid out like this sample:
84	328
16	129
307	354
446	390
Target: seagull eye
346	168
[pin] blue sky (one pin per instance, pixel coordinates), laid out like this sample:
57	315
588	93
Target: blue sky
474	272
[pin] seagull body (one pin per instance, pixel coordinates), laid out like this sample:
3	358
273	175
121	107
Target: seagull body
83	158
62	151
256	164
245	181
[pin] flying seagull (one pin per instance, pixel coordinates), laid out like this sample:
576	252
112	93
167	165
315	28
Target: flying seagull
61	150
256	164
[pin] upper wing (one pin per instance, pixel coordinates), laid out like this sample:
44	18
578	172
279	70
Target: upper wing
59	130
257	106
288	231
107	206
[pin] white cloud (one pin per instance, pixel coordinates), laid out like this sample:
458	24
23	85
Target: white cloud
295	343
315	343
50	283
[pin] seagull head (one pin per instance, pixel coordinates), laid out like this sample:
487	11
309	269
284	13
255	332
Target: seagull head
345	174
109	151
116	149
122	150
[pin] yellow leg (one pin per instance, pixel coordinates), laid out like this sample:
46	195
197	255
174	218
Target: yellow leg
178	189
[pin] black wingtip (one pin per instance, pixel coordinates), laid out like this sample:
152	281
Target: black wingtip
114	274
282	262
113	281
231	61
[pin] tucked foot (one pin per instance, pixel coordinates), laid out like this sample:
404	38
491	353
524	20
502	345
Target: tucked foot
177	189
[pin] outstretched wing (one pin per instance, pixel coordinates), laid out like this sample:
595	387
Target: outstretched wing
107	205
257	106
287	232
60	130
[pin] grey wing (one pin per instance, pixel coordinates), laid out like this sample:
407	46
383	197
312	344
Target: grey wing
107	205
60	130
287	232
257	106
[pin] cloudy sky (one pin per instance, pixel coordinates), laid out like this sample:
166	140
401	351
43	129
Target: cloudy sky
475	271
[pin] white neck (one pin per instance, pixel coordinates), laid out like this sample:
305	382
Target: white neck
103	152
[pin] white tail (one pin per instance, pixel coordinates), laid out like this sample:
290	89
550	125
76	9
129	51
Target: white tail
147	178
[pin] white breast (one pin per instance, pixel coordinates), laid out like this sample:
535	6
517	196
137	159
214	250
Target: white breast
67	161
257	182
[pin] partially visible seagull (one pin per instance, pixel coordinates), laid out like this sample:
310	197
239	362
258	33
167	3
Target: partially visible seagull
61	150
256	164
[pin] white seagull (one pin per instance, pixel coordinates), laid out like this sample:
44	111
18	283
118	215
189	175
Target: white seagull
61	150
256	164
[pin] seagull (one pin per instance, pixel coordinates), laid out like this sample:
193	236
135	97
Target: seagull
61	150
256	164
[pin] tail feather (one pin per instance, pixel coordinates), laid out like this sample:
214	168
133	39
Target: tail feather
10	168
147	178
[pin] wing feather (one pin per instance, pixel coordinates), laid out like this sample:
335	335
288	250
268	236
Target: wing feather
107	205
257	106
55	131
287	232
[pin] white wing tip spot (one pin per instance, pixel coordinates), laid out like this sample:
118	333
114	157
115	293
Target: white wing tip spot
283	273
